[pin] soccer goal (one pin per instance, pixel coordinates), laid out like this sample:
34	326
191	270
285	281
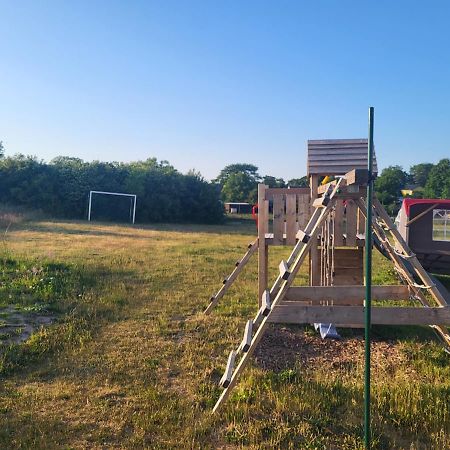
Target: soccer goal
132	202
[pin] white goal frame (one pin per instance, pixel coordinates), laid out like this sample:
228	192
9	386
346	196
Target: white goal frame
112	193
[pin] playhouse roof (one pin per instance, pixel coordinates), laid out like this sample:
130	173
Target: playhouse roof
337	156
408	202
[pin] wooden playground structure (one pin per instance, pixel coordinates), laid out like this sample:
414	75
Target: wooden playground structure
326	224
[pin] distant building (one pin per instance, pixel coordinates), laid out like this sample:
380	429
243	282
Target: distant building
238	208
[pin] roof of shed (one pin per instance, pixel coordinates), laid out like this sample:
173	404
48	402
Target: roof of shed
337	156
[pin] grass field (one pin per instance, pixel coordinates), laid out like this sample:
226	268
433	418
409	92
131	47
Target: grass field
129	361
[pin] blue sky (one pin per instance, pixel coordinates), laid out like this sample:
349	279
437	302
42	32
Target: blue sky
203	84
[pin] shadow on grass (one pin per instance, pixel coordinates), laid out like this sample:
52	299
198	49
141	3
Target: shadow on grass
230	226
79	300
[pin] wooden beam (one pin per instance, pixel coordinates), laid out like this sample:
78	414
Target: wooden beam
351	293
350	215
263	228
293	313
229	281
320	202
357	176
421	214
270	192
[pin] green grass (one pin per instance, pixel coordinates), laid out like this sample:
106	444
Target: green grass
131	361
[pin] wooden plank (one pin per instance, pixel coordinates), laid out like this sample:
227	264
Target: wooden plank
302	236
278	219
263	228
247	340
291	218
357	176
229	281
226	378
284	270
320	202
317	294
337	141
361	226
338	156
350	215
339	223
303	213
355	315
270	192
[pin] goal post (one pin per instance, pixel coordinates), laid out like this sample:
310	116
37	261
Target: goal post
132	197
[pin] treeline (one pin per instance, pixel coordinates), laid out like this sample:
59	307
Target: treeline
424	180
61	188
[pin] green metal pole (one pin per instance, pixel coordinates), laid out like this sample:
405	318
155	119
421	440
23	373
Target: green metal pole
368	278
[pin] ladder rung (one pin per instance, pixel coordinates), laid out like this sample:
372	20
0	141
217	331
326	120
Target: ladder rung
321	202
284	270
226	378
302	236
247	340
265	303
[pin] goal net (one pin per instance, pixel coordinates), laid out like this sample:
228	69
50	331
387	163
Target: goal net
111	206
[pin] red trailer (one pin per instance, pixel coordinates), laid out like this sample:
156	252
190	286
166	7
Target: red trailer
425	226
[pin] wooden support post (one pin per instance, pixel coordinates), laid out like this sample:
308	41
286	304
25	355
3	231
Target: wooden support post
263	227
350	214
339	223
314	259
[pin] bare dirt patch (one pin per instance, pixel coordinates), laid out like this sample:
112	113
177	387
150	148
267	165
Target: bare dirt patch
17	326
287	347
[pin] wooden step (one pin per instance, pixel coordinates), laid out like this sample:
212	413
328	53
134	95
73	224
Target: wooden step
226	378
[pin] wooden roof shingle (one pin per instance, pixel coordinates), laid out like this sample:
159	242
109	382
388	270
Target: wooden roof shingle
337	156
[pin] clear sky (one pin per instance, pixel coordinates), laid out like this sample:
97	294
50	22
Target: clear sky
203	84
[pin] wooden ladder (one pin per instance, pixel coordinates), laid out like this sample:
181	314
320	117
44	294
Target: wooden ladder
381	219
288	271
227	282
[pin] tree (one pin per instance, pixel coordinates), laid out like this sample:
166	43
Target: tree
239	183
419	173
299	182
388	186
2	149
438	184
273	182
248	169
239	187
